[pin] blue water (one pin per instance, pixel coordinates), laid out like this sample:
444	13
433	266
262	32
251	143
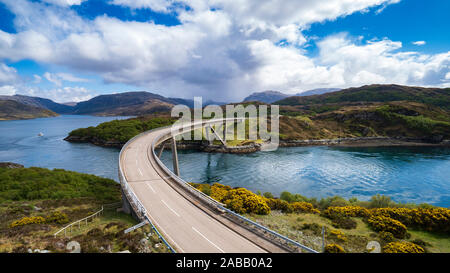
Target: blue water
20	143
406	174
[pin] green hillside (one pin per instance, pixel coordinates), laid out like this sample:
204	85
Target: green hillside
376	93
12	110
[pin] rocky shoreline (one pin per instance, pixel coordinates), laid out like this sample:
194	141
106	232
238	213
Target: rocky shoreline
204	146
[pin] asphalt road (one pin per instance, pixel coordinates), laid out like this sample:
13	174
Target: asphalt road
185	226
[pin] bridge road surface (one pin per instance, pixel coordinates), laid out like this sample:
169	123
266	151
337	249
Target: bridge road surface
186	227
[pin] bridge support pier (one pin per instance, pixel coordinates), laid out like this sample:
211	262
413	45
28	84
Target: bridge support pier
126	207
161	150
176	169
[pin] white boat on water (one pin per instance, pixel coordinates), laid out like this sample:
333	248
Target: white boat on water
41	134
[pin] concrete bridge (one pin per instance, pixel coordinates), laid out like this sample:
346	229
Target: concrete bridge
186	219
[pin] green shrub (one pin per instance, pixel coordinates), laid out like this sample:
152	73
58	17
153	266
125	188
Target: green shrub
380	201
343	222
268	195
38	183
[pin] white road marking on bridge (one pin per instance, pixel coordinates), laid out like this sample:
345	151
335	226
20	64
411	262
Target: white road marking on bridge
170	208
146	183
208	240
140	171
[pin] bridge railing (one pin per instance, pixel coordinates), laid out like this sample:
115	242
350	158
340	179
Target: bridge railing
134	201
214	203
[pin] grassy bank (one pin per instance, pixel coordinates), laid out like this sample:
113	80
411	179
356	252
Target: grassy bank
35	203
349	225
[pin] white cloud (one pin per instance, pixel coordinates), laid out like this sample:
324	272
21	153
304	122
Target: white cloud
419	43
68	94
8	90
58	78
65	3
220	53
156	5
8	75
61	95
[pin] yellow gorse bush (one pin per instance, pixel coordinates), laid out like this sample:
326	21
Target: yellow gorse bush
347	211
382	223
402	247
57	217
334	248
28	221
338	235
303	207
244	201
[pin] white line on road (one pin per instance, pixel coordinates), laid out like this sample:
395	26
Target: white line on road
208	240
140	172
170	208
150	187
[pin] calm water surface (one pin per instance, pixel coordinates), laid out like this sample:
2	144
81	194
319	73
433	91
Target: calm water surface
411	174
20	143
406	174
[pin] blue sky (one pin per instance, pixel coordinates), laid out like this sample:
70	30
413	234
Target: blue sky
219	49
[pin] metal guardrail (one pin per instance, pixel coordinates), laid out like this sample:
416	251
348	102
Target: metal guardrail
85	219
214	202
131	196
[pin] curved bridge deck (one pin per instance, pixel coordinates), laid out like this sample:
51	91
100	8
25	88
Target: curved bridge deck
187	224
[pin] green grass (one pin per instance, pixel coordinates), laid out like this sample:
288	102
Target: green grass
292	226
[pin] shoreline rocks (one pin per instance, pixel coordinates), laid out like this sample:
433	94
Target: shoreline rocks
204	146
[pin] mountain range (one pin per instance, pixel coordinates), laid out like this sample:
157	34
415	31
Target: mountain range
142	103
120	104
273	96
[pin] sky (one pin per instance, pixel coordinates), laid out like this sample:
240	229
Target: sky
73	50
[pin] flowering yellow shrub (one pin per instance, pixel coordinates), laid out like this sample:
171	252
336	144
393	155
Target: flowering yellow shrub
57	217
334	248
402	247
278	204
28	221
347	211
303	207
431	219
219	191
338	235
382	223
242	200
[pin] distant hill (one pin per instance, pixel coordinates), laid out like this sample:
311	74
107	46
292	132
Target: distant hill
128	103
318	91
266	96
12	110
273	96
40	103
375	93
190	103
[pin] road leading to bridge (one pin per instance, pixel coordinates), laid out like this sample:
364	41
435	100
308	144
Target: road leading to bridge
184	223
